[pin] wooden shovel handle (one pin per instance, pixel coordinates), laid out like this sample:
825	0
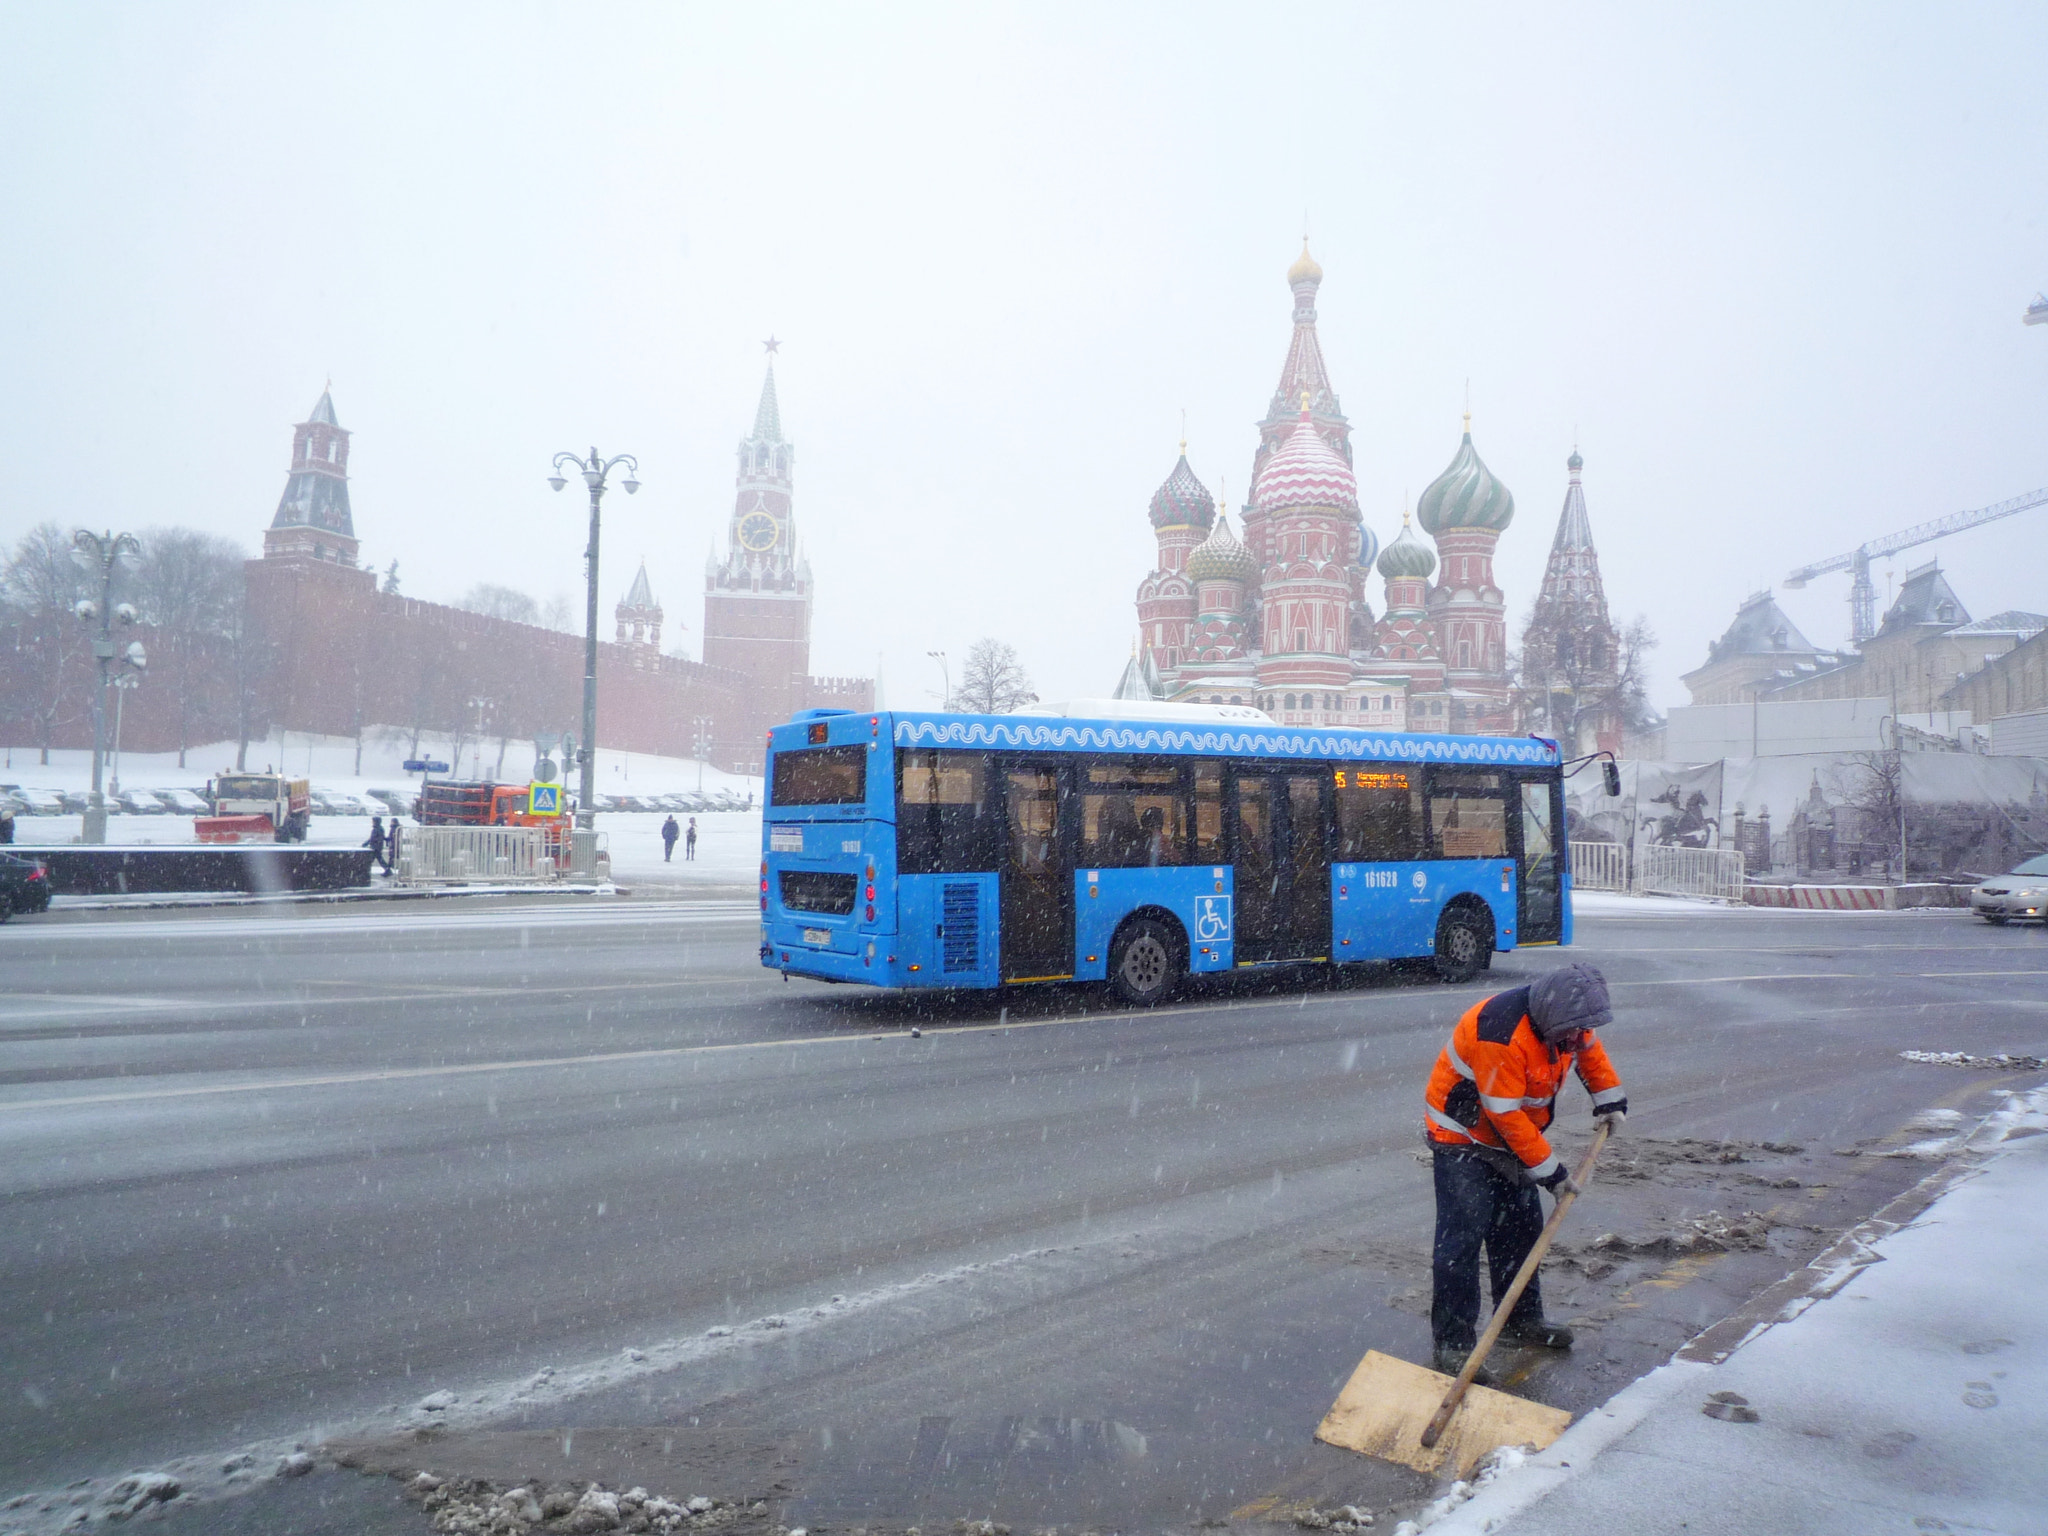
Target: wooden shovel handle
1581	1176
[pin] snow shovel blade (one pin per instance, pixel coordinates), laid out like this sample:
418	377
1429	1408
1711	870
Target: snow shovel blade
1387	1404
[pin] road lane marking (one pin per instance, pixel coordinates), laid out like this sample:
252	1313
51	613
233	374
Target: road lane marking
859	1036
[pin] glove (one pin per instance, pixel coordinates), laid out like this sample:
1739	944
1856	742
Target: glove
1560	1182
1614	1115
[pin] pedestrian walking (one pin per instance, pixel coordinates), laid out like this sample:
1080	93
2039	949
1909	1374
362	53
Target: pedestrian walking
669	834
6	821
377	844
690	841
1491	1097
391	845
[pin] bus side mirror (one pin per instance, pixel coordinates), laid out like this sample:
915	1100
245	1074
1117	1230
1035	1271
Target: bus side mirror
1610	775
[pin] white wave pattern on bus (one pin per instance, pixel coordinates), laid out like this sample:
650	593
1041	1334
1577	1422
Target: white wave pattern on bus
992	732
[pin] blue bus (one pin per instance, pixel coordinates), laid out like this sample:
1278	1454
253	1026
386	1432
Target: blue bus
1139	844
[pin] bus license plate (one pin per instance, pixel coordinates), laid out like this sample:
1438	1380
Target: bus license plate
817	936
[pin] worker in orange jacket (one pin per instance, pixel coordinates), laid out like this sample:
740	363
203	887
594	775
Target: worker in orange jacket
1491	1097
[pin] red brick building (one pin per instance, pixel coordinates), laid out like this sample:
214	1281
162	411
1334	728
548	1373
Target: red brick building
324	649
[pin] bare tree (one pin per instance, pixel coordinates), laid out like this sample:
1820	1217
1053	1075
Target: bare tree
187	589
496	602
992	680
1873	786
252	655
40	584
559	614
1564	680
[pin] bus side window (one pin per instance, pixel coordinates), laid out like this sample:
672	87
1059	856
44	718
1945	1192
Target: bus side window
943	822
1379	815
1132	813
1468	816
1208	813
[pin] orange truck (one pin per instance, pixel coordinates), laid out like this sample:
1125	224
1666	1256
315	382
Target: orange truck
255	808
446	803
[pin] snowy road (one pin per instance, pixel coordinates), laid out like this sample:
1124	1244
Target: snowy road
272	1177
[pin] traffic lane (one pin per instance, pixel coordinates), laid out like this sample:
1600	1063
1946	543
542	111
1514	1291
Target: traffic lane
559	1213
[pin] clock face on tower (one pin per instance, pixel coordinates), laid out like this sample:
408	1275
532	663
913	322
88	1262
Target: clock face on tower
759	531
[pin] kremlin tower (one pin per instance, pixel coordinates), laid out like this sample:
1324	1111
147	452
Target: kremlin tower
1571	651
1282	619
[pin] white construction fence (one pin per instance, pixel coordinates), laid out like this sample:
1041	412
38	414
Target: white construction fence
1658	870
498	855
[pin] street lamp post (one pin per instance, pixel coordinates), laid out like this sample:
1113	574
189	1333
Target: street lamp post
702	728
100	555
594	470
945	672
122	684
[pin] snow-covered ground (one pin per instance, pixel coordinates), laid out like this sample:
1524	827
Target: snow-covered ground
728	848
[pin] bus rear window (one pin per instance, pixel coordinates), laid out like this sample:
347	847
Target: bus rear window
821	776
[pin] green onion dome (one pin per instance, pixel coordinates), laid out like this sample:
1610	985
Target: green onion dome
1407	558
1465	496
1221	557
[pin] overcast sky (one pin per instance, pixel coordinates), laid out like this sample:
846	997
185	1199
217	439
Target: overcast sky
1766	265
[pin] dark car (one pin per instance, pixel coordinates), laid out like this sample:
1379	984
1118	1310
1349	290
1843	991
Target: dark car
24	885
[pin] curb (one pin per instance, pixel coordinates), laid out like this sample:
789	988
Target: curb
171	901
1575	1451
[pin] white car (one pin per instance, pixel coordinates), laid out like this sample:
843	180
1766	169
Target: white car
183	802
40	802
2021	895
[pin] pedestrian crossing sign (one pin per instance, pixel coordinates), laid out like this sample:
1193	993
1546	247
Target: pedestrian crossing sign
544	800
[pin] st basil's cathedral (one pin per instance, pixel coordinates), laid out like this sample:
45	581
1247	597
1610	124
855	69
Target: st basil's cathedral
1282	619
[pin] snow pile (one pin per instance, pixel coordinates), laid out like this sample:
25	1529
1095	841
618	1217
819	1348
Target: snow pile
1999	1063
1342	1520
1504	1460
471	1507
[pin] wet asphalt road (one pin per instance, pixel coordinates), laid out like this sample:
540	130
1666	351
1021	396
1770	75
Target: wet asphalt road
274	1175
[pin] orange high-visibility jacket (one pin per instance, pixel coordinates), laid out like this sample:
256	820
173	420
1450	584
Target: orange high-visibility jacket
1496	1082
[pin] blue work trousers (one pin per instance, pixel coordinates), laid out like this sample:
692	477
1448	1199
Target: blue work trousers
1478	1205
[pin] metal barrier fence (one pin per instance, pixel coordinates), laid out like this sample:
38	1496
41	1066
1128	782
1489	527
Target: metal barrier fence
1599	867
1659	871
488	854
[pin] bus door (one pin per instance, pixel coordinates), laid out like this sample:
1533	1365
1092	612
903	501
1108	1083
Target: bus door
1037	921
1283	866
1534	840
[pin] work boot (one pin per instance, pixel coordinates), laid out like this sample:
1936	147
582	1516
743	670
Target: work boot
1450	1360
1539	1335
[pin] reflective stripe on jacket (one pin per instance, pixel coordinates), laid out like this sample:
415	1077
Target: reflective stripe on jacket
1496	1082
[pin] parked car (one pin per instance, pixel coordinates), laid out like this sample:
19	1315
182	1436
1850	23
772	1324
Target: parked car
41	802
24	885
74	800
394	802
139	802
184	802
2021	895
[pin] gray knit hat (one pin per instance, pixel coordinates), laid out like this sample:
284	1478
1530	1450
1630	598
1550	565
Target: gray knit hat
1573	997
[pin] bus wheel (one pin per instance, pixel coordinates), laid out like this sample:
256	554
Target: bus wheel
1144	962
1464	943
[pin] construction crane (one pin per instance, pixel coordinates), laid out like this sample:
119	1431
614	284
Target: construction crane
1862	595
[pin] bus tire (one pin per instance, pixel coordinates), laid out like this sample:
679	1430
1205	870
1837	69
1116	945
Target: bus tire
1464	945
1144	962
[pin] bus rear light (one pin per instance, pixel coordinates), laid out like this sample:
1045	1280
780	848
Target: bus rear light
917	967
871	893
871	912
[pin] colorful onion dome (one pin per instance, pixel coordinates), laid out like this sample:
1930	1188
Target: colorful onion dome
1466	495
1407	558
1221	556
1305	269
1183	499
1305	471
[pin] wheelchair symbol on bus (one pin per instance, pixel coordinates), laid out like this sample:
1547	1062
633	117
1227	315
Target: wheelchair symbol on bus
1212	918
